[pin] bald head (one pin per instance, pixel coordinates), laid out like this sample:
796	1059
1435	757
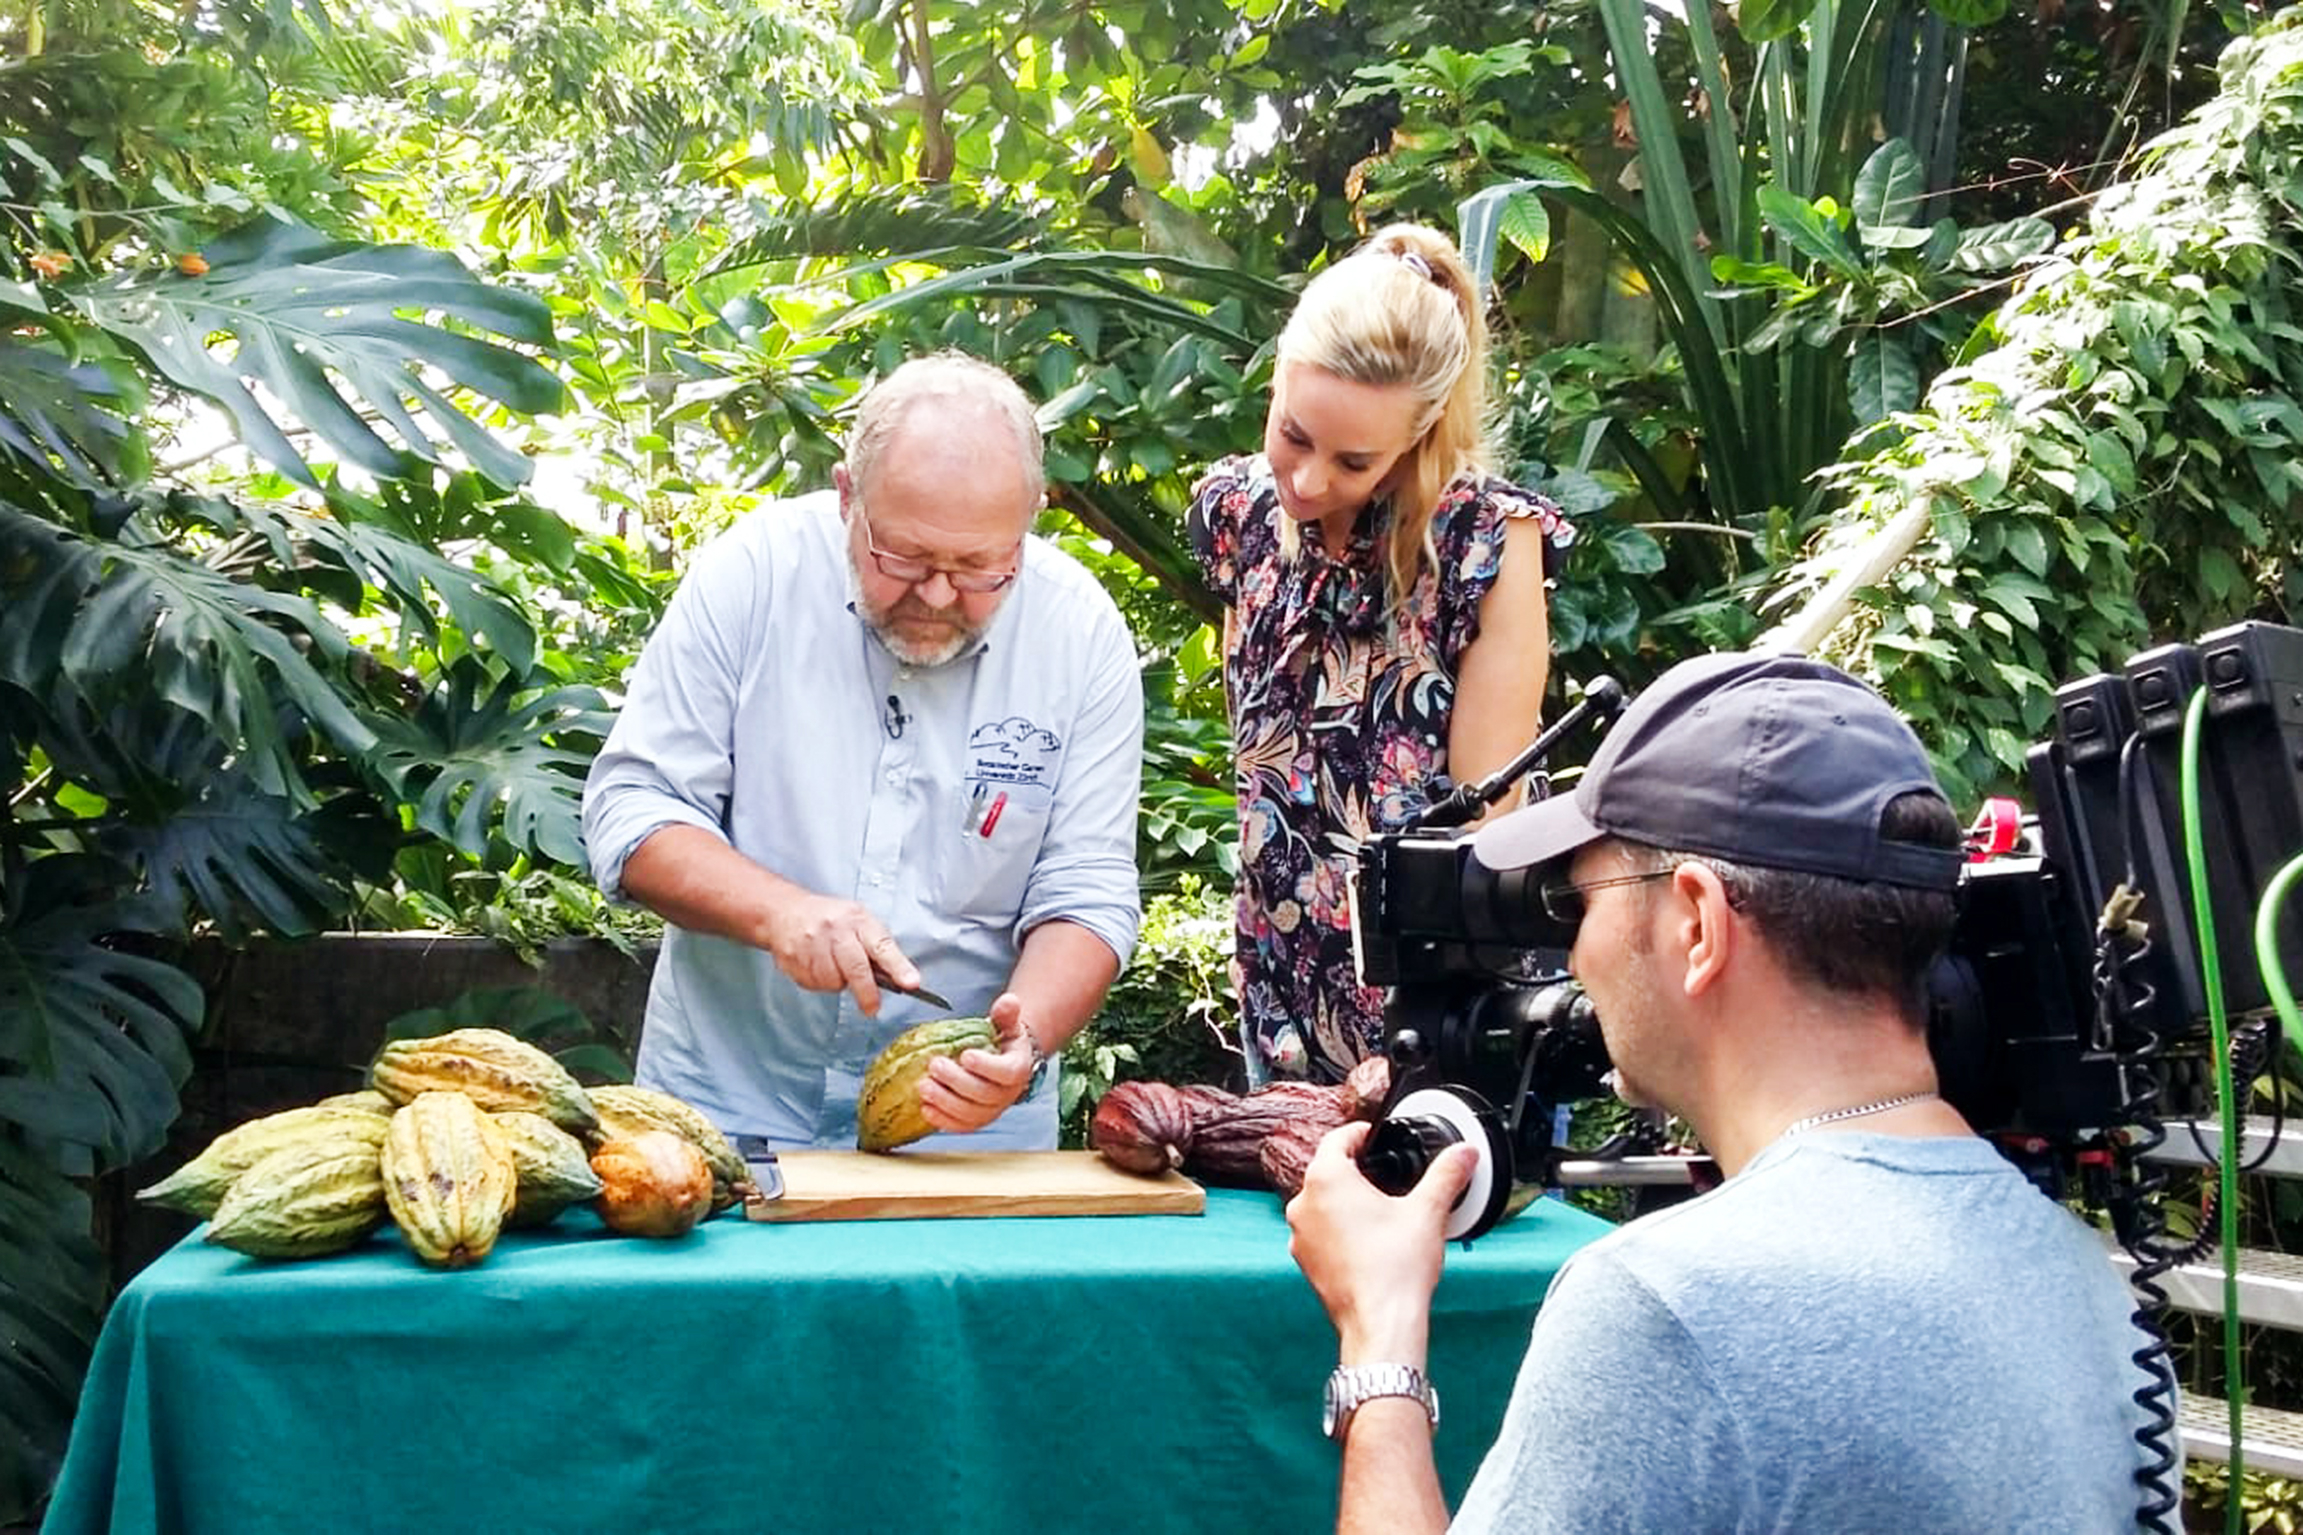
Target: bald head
950	420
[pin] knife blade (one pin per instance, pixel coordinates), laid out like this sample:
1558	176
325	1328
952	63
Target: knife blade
916	993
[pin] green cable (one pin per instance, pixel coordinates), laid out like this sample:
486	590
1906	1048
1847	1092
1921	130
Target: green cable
2267	950
2211	973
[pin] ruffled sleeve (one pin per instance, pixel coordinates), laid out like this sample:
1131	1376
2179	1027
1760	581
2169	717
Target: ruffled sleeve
1468	534
1221	503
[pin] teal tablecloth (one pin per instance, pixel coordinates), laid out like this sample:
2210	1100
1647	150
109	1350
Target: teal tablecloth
1115	1374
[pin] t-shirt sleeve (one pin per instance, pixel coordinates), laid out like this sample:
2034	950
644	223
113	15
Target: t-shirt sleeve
1220	504
1615	1424
1469	540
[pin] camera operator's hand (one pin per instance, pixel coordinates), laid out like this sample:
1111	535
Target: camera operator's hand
1374	1259
969	1092
828	944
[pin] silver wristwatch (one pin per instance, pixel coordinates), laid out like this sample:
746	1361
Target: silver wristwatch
1352	1384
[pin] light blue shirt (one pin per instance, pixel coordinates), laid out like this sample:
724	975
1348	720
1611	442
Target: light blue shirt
962	804
1858	1334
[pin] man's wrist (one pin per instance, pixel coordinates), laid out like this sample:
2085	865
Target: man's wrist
1350	1387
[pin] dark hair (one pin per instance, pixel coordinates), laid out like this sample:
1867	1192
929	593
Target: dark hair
1851	935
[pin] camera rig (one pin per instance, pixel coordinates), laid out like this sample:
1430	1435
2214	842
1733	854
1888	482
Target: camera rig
2068	1019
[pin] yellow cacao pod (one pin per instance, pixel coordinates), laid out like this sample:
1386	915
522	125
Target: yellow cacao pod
888	1112
549	1168
448	1177
199	1186
366	1098
628	1110
654	1184
305	1200
488	1066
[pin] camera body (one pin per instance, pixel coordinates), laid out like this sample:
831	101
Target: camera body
2070	1006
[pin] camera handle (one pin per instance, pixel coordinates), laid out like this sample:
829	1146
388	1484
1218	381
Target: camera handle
1602	699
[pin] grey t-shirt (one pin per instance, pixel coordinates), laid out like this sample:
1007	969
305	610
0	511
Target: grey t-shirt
1856	1333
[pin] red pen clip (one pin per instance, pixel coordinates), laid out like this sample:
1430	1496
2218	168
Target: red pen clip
992	816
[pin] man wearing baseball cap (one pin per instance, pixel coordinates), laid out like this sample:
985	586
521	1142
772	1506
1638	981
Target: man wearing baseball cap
1875	1322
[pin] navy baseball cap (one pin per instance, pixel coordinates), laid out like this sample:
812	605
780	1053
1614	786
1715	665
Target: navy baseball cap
1775	761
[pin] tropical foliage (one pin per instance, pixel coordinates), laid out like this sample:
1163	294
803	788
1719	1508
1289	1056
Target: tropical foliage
365	374
2120	464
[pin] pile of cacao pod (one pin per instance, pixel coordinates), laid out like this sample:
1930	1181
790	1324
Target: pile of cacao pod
458	1137
1264	1139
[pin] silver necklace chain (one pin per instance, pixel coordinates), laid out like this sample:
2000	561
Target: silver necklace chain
1877	1106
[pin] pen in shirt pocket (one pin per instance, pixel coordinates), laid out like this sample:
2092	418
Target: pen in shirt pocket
992	816
975	806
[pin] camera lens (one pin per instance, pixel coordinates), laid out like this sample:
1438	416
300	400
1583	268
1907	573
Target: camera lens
1398	1150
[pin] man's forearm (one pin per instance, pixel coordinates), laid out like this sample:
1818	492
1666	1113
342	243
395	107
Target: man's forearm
686	875
1390	1483
1062	975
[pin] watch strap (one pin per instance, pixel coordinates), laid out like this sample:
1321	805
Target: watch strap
1353	1385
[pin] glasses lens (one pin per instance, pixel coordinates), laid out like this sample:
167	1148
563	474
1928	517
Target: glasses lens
897	567
1564	903
977	580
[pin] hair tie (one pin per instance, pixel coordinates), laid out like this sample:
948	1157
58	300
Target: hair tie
1416	264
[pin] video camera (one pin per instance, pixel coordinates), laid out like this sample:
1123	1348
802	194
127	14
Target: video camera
2067	1018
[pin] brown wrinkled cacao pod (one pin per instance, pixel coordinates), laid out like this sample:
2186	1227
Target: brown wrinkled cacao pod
1142	1127
1285	1154
1366	1088
1227	1136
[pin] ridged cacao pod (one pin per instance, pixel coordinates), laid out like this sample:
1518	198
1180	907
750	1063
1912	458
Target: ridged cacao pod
628	1110
1142	1127
1286	1154
550	1169
1228	1132
304	1200
654	1184
1366	1088
888	1111
199	1186
448	1177
366	1098
488	1066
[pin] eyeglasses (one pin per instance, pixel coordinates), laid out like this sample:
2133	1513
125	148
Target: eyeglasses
914	572
1565	904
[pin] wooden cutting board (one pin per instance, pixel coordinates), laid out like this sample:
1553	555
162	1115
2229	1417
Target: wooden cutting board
905	1185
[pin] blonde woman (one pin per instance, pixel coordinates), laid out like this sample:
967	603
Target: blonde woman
1386	635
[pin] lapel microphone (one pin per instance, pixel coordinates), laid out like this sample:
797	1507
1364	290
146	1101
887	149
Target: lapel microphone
895	719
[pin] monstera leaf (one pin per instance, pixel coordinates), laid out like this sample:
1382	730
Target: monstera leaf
207	841
134	617
51	1289
59	415
330	329
479	743
94	1038
94	1042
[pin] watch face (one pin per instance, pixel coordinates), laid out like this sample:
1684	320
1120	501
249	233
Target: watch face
1330	1406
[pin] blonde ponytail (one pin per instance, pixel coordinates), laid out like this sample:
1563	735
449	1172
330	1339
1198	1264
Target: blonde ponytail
1403	310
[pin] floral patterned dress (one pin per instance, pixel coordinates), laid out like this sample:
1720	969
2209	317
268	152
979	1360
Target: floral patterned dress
1339	715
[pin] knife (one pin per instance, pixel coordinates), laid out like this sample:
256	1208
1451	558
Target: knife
916	993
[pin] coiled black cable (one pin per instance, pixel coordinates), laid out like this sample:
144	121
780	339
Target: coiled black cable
2124	1000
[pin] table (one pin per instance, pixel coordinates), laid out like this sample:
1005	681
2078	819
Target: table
1105	1374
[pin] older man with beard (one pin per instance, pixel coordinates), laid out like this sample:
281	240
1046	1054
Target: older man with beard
882	736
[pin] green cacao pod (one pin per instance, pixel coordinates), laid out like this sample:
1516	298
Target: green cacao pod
549	1167
449	1179
627	1110
305	1200
888	1111
491	1068
199	1186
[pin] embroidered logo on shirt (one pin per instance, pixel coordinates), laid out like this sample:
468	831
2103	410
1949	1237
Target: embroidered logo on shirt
1014	750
